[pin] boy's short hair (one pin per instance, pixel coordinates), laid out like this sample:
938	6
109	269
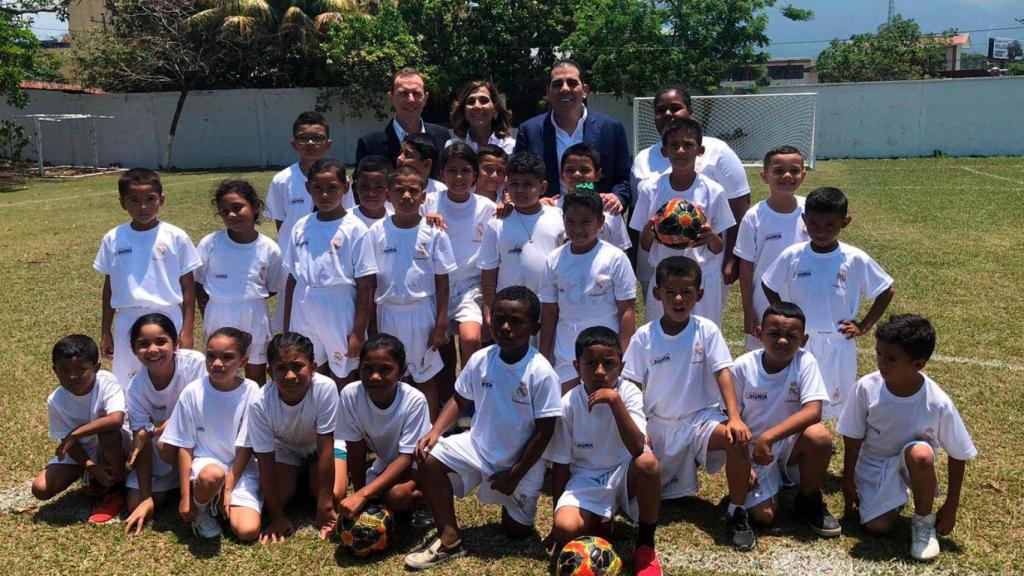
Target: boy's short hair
374	164
527	162
462	151
584	198
138	177
491	150
327	164
76	346
402	171
827	200
682	125
914	334
524	295
670	88
786	310
779	151
677	267
582	149
597	336
423	146
310	118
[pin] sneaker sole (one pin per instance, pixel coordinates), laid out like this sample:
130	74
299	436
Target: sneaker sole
427	565
824	532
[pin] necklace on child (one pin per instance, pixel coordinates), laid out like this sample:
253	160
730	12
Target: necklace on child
529	235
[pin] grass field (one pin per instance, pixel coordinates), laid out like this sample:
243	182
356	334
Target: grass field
948	230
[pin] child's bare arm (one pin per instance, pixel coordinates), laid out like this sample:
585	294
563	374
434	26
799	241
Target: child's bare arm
851	451
235	471
289	293
107	321
946	516
365	287
853	329
106	423
188	310
809	413
392	474
202	298
548	324
632	437
439	335
488	287
647	235
559	480
268	484
356	458
627	321
185	484
325	479
750	319
772	296
455	406
506	481
736	429
738	207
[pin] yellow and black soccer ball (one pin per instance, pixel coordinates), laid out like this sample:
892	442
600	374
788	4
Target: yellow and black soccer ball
678	223
369	533
589	556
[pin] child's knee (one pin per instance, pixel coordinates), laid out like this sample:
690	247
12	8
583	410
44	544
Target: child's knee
883	524
244	528
566	526
40	490
513	529
403	497
763	514
920	457
210	476
648	466
818	437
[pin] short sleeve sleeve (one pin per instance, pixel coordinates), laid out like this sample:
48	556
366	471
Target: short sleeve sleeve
260	436
746	238
547	402
635	359
102	261
326	409
205	250
364	263
346	423
876	280
444	256
466	383
953	435
275	206
559	450
138	408
276	273
854	419
415	425
719	212
188	257
634	402
181	429
488	258
777	274
642	210
548	291
729	172
111	398
625	278
618	235
715	348
58	426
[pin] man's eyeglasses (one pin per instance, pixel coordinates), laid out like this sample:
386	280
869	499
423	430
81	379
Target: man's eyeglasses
310	138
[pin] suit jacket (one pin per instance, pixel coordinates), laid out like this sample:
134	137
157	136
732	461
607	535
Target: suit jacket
385	143
604	133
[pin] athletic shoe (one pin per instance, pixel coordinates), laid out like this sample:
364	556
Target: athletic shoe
111	505
741	535
811	510
206	525
433	554
645	562
924	545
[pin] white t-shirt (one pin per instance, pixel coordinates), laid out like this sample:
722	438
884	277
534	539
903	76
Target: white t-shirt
612	231
827	287
589	439
274	425
508	143
718	162
233	272
329	254
763	235
145	268
768	399
519	245
68	412
466	222
508	398
288	201
358	212
887	422
147	404
705	194
208	420
388	432
677	372
587	286
407	260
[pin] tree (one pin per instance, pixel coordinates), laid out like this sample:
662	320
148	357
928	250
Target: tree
897	51
21	58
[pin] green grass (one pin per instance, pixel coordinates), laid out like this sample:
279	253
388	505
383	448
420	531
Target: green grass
950	237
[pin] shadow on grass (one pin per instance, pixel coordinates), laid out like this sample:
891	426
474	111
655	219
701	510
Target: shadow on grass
698	512
893	547
69	508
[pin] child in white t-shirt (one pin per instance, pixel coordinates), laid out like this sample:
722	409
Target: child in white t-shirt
419	152
767	229
241	269
332	271
587	282
827	279
596	471
490	180
581	167
370	184
893	425
382	415
780	393
287	198
682	363
148	267
151	397
86	418
290	428
206	425
415	261
516	396
681	143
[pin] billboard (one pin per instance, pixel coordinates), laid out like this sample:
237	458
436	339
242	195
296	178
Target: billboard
1005	49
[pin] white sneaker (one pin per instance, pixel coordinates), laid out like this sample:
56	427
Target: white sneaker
924	545
206	525
433	554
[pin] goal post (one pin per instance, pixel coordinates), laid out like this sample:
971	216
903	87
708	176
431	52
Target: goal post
751	124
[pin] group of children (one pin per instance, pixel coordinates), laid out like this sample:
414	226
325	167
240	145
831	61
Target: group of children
385	288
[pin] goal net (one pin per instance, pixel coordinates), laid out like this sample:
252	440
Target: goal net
751	124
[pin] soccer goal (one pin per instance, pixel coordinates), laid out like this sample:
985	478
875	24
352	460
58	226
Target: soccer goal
751	124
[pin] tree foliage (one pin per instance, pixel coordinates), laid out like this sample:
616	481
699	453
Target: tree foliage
897	51
21	58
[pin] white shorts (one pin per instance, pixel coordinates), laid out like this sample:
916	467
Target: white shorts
91	445
710	306
413	324
162	478
125	363
883	483
291	457
602	492
246	493
340	449
566	332
773	476
837	360
465	306
248	316
469	471
325	316
681	446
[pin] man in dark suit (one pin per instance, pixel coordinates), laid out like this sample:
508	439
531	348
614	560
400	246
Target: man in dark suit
408	96
568	122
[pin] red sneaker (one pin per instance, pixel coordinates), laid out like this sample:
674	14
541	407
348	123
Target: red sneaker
112	505
645	562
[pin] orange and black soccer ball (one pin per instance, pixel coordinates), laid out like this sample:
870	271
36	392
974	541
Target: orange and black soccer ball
678	223
369	533
588	556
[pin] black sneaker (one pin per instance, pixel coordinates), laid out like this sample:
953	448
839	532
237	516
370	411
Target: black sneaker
811	510
737	527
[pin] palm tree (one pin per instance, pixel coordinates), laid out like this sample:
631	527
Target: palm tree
292	22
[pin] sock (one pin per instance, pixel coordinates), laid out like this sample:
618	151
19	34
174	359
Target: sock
732	509
200	508
645	534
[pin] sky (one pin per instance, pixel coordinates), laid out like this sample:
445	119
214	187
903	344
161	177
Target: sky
835	19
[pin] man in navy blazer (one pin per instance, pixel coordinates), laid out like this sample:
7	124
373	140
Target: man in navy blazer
569	122
408	96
